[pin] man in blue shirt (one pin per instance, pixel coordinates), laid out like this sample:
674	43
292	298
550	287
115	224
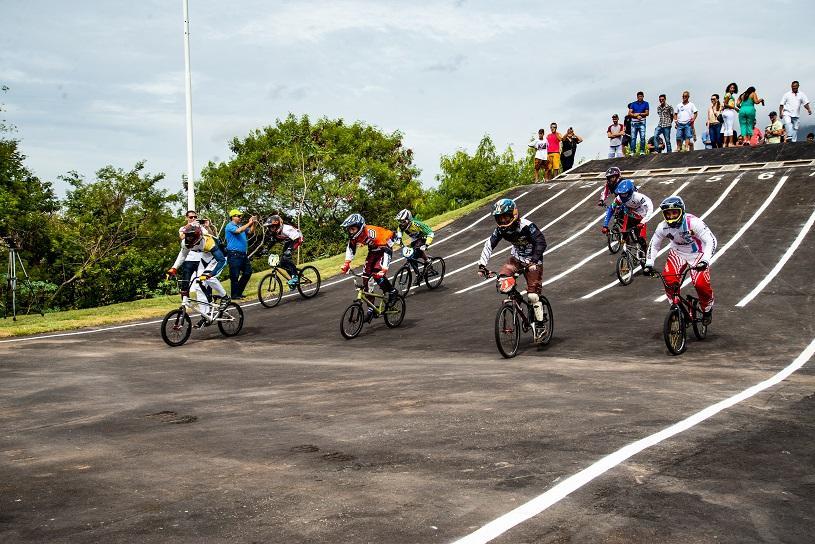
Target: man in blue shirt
638	110
240	268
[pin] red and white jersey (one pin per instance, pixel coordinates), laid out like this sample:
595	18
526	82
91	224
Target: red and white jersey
288	232
692	239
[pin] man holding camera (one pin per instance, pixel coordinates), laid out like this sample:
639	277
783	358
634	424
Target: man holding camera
237	246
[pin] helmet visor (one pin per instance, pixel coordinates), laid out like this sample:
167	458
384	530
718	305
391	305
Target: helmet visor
671	215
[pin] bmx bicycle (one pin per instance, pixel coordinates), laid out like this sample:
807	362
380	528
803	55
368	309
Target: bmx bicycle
614	238
177	325
355	315
431	272
630	258
685	311
516	315
270	288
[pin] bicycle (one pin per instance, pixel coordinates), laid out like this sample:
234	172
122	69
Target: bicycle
631	256
431	271
177	325
684	311
270	288
516	315
614	238
354	316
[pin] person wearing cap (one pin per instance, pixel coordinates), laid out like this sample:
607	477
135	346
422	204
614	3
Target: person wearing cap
774	133
237	246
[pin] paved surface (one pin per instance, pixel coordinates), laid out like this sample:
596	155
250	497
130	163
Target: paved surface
289	433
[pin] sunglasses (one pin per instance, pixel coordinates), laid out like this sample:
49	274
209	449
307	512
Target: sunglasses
192	217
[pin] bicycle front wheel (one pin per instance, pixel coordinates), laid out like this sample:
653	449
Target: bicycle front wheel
176	328
674	331
614	239
270	290
352	321
309	284
625	268
507	330
403	280
395	313
231	321
434	272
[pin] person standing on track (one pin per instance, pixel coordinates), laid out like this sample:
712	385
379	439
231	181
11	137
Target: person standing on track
291	238
528	245
692	245
539	146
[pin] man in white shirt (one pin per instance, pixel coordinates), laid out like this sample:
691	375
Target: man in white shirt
685	114
540	147
615	132
790	109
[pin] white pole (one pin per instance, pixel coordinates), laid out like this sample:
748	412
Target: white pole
188	81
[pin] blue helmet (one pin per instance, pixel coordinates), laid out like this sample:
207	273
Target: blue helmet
354	221
505	213
673	210
625	189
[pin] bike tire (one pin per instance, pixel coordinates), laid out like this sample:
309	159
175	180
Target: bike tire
309	284
395	313
625	268
614	240
549	320
403	280
674	332
180	328
507	330
434	272
354	317
699	328
232	324
270	290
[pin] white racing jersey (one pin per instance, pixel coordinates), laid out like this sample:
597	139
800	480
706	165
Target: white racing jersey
638	204
692	240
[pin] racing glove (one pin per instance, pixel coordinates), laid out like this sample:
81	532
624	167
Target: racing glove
423	247
204	277
483	271
601	202
648	271
171	273
604	230
379	274
345	267
703	265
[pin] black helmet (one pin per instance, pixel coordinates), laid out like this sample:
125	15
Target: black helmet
610	173
192	234
673	210
274	223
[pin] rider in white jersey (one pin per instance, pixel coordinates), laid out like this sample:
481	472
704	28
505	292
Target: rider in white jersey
692	243
635	208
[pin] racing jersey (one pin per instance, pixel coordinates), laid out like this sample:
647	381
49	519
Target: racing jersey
287	232
528	243
692	239
416	230
371	236
639	205
209	250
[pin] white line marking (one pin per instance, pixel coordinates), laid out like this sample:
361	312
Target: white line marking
563	489
780	264
741	231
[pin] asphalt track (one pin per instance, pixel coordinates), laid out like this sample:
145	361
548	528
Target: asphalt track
289	433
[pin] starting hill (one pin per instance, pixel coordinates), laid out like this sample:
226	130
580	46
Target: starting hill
424	433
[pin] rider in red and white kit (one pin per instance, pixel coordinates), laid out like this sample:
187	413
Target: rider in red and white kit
692	245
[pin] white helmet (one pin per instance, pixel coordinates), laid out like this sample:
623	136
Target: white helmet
404	217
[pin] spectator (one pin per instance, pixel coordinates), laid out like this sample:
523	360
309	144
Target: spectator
811	137
553	140
685	116
237	246
790	110
757	138
627	133
747	111
570	141
539	146
652	147
638	110
665	112
615	133
714	123
706	138
774	133
730	115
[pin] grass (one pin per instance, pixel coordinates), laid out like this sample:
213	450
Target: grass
155	308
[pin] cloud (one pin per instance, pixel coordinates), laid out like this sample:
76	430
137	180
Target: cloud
283	91
449	66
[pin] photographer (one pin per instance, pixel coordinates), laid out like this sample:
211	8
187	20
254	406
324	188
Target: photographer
237	245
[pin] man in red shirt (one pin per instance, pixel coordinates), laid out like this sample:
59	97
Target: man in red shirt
553	147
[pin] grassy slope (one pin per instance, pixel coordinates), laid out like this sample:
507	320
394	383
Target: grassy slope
155	308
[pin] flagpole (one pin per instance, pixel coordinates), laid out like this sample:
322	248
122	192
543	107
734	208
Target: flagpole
188	84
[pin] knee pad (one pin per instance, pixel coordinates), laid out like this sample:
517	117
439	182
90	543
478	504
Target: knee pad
533	298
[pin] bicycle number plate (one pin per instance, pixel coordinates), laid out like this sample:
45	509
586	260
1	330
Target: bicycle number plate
274	259
407	252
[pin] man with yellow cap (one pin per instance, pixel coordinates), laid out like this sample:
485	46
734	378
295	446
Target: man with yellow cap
237	246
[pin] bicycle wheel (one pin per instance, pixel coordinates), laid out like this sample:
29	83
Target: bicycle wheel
396	312
507	330
403	280
176	328
625	268
548	323
434	272
614	239
231	321
674	331
270	290
309	284
699	328
352	321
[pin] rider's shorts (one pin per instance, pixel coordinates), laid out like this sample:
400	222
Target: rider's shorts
533	279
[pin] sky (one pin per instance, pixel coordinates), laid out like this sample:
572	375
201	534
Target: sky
95	83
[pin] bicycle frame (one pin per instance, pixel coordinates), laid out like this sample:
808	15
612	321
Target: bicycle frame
363	295
187	303
685	304
517	299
